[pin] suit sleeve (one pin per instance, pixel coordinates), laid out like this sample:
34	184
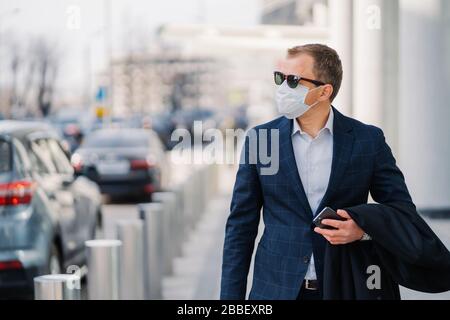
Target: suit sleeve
388	183
241	229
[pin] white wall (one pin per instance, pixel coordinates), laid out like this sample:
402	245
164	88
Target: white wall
424	108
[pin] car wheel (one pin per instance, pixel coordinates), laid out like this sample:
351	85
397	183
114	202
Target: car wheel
54	261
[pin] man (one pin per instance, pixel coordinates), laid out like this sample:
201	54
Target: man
326	160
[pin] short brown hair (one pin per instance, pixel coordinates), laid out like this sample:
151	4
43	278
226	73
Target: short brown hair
327	64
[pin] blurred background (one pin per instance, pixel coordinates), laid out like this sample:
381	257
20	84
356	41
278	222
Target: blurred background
112	79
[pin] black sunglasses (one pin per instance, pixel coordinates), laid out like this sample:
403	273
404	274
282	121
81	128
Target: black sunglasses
292	81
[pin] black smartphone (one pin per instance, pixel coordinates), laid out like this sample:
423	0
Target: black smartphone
326	213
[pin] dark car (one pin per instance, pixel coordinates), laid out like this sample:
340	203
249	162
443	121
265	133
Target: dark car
123	161
46	212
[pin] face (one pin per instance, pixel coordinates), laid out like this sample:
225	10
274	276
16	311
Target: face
302	65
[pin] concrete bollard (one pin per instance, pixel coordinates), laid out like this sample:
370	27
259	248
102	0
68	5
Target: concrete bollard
201	192
196	196
188	203
57	287
153	248
214	178
103	269
131	234
179	223
207	181
204	187
169	200
209	191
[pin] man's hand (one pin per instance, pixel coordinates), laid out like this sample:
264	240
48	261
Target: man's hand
347	231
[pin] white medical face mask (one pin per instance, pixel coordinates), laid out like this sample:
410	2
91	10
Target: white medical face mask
291	102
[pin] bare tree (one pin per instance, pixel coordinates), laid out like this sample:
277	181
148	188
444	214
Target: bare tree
29	71
47	61
15	65
32	76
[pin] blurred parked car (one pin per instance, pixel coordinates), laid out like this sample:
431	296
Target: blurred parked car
46	212
123	162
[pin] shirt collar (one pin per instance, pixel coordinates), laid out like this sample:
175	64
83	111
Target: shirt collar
328	125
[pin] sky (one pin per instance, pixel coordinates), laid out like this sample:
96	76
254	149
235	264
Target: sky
75	26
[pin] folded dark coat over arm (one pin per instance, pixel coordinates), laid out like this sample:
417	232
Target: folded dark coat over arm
404	248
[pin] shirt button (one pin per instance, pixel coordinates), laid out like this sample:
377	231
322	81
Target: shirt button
306	259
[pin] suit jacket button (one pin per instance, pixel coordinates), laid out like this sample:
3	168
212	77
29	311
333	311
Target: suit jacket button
306	259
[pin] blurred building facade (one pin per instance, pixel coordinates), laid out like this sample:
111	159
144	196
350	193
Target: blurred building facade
163	82
205	66
294	12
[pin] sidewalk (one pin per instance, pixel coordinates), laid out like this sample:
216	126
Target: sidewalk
197	272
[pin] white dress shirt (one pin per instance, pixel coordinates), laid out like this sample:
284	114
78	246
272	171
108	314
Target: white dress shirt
314	157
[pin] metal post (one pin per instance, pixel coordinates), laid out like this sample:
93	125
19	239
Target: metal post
209	187
210	179
214	178
131	233
199	193
204	189
154	254
188	208
57	287
179	223
169	199
194	197
103	269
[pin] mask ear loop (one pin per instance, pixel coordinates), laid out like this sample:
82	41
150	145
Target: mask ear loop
315	103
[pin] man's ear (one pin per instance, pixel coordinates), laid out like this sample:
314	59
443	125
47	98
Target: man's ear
327	91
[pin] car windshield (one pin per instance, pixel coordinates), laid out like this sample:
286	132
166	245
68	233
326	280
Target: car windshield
117	139
5	156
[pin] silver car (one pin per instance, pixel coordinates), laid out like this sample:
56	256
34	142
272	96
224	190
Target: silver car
46	212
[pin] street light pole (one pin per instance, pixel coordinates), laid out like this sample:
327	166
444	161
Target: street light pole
107	6
88	66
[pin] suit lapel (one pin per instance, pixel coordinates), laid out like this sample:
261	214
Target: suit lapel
288	165
342	150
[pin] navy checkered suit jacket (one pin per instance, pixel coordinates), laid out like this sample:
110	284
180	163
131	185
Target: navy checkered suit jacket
362	163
